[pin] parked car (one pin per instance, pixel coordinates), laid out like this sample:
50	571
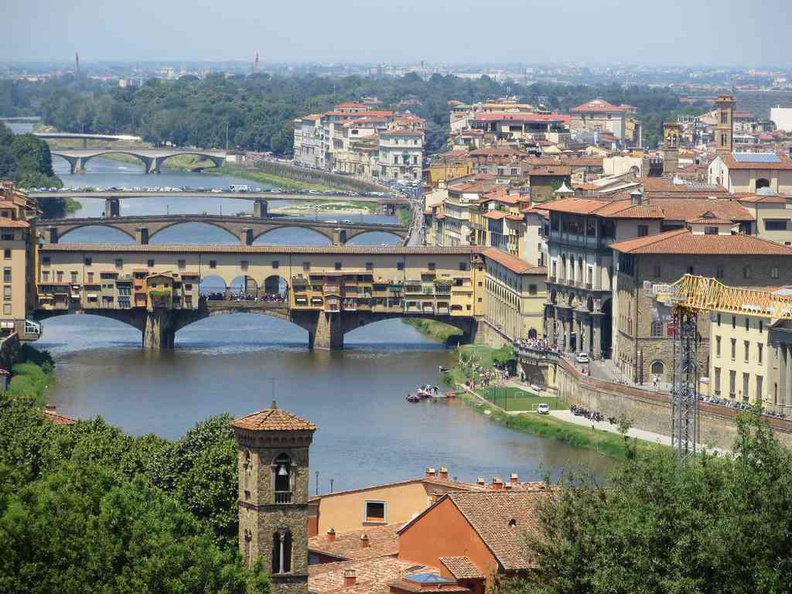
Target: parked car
582	358
543	409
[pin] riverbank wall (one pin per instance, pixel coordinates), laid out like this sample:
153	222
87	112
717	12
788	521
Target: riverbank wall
491	336
312	176
646	409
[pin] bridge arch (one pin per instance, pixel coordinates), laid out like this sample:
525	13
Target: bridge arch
217	161
146	161
216	224
363	233
323	232
97	223
243	286
275	285
213	286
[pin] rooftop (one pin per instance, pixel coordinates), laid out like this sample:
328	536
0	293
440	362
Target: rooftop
682	241
757	161
462	568
600	105
383	541
272	419
372	576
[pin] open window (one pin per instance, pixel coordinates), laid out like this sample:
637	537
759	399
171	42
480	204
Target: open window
374	512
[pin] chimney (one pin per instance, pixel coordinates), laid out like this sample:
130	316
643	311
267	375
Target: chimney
480	481
331	535
350	578
444	473
497	484
435	496
430	472
364	541
513	478
636	197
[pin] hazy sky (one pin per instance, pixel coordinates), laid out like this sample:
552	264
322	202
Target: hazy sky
679	32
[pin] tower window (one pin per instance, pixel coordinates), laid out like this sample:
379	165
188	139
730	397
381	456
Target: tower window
281	470
281	550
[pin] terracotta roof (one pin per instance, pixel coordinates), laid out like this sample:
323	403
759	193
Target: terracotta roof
13	224
462	568
372	576
350	104
272	419
57	418
754	198
682	241
383	541
495	214
401	133
674	209
784	163
522	117
598	106
550	170
513	263
490	514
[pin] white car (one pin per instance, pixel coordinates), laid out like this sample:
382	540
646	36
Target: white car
543	409
582	358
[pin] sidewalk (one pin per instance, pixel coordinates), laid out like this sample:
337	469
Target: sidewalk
565	415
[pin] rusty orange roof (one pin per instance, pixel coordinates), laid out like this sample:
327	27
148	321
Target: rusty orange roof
56	418
513	263
462	568
273	419
682	241
783	163
372	576
13	224
599	106
382	541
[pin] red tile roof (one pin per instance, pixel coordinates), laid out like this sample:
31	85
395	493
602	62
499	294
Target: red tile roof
754	198
273	419
383	541
372	576
600	106
401	133
784	163
550	170
462	568
56	418
13	224
682	241
513	263
523	117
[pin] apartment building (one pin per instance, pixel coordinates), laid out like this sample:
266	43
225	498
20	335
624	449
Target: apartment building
601	117
750	172
19	246
772	215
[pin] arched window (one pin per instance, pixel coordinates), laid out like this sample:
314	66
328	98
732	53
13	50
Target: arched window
762	182
281	550
658	368
532	333
281	471
657	329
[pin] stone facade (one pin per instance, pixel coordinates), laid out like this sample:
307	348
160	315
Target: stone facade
273	502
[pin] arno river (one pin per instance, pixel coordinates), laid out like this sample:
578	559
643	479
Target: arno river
368	433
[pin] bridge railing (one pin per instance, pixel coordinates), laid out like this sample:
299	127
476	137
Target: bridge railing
245	303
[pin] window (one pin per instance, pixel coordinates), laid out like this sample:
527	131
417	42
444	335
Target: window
45	260
6	275
710	230
375	512
119	263
212	263
532	289
717	346
7	309
7	237
746	380
747	324
432	266
400	266
733	348
281	550
657	329
182	264
761	326
306	266
243	264
7	254
759	387
747	271
643	230
732	383
734	322
657	368
724	117
337	265
747	349
719	274
150	263
275	264
45	275
775	225
463	266
73	276
719	319
7	292
656	271
774	272
369	266
717	381
759	352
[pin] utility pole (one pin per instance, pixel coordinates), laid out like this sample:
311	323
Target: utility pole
76	64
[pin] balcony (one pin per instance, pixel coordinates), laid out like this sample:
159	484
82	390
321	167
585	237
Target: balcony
331	290
551	279
283	497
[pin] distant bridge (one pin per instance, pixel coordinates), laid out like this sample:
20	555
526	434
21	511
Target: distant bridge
152	158
247	229
86	137
117	195
328	291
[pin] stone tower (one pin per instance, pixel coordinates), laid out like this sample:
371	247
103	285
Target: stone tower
724	128
670	148
273	495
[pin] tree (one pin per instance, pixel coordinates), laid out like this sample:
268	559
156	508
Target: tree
32	154
719	525
8	164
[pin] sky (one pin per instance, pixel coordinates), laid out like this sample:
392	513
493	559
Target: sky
661	32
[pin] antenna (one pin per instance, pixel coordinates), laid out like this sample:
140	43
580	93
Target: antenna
272	381
77	63
256	63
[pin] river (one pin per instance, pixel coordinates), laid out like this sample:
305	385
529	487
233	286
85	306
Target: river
368	433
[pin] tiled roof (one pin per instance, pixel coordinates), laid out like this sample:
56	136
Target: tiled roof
462	568
56	418
549	170
346	546
513	263
764	199
491	515
674	209
522	117
598	106
401	133
682	241
784	163
13	224
372	576
273	419
495	214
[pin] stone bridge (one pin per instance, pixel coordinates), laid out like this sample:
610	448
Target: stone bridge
326	331
247	229
152	158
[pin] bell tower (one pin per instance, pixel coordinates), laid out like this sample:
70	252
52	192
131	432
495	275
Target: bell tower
670	148
273	495
724	128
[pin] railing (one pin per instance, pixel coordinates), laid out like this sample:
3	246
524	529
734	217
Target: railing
283	497
551	279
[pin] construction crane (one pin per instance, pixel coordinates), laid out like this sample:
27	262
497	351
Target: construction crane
687	297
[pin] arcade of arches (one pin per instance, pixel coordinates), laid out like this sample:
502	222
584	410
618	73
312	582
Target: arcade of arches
578	324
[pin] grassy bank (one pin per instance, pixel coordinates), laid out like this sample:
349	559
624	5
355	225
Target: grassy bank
32	376
434	330
267	178
405	216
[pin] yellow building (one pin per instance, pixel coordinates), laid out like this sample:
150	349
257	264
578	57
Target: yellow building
17	240
515	295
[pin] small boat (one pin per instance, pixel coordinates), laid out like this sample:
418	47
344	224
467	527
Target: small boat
413	398
444	369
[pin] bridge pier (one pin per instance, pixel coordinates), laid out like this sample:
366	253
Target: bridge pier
159	332
339	236
260	208
328	334
112	208
53	234
142	236
246	237
153	165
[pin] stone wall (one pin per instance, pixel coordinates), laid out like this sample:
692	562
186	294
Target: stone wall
489	335
648	410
